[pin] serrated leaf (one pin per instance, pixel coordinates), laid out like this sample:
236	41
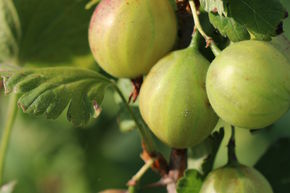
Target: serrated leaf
10	32
8	188
50	90
190	183
275	165
202	156
227	26
55	32
213	6
259	16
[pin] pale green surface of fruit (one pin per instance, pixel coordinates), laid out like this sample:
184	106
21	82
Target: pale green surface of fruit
173	100
248	84
127	37
236	179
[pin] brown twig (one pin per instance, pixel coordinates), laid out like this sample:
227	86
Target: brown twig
160	164
177	165
136	178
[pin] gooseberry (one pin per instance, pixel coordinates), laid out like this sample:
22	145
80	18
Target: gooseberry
248	84
236	179
173	100
127	37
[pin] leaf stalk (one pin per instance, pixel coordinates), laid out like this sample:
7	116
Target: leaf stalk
6	135
209	41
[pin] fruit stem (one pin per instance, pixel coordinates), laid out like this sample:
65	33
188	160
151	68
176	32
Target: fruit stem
12	112
90	4
146	136
209	41
216	51
194	40
232	157
136	178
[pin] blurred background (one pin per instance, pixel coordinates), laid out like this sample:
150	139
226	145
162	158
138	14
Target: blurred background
53	156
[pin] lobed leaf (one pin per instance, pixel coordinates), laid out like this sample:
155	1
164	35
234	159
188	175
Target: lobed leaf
260	17
54	32
50	90
227	26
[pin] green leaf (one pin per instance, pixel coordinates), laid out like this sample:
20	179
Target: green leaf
227	26
55	32
213	6
8	188
190	183
260	16
10	32
50	90
202	156
275	165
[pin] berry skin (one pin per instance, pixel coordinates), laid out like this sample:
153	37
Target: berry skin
248	84
236	179
173	100
127	37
